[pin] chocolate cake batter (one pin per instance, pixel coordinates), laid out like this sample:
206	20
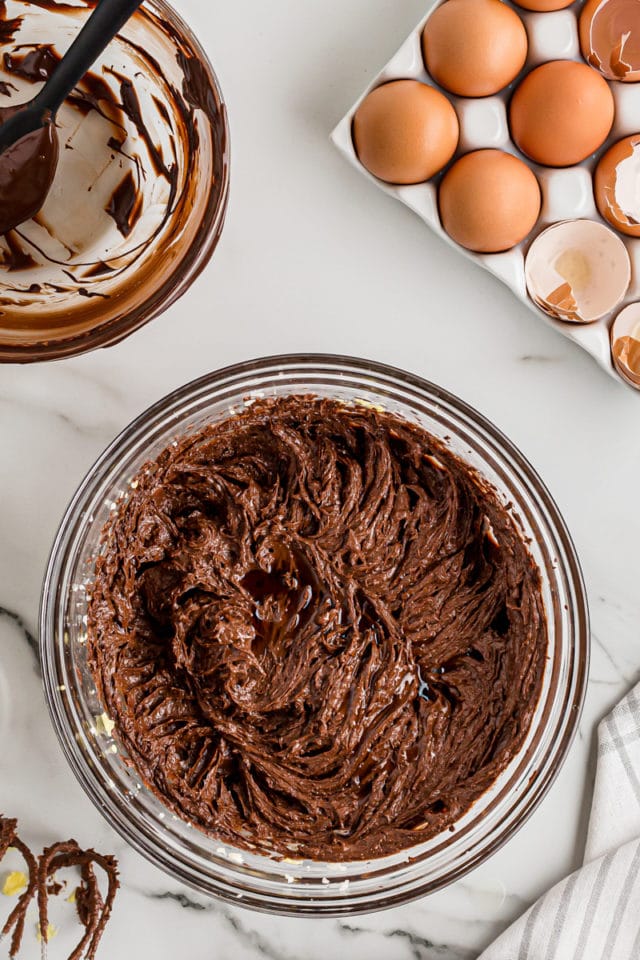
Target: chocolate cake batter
318	633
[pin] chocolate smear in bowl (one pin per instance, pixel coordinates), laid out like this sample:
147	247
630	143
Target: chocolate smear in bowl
319	633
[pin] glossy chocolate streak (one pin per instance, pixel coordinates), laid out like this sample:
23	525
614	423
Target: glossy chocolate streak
27	169
124	205
16	257
39	64
317	631
8	28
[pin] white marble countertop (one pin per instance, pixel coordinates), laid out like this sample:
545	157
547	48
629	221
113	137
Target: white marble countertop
314	258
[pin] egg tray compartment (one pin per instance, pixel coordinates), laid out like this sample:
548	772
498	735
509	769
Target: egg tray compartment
567	193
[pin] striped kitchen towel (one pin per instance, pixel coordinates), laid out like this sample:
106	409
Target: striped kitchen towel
595	913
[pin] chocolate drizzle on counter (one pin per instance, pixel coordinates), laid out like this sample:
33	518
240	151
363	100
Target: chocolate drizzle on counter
93	911
318	632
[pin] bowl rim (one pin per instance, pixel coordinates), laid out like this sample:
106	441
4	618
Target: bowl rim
111	331
290	900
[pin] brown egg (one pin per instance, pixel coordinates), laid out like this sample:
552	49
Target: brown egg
561	113
544	6
405	131
474	47
489	201
610	38
617	186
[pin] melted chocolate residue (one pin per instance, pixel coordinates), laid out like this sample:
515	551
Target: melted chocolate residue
125	206
16	920
131	106
8	28
37	65
93	911
16	257
318	632
94	93
27	169
62	7
99	269
195	86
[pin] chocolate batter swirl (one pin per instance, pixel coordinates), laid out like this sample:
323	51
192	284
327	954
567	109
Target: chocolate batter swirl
318	632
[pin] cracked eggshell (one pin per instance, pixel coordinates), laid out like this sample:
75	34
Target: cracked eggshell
610	38
577	271
617	185
625	344
405	131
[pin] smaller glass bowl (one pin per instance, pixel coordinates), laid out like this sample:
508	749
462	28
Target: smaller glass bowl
139	197
306	887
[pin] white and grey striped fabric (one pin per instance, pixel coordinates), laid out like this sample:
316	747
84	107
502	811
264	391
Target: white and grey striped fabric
595	913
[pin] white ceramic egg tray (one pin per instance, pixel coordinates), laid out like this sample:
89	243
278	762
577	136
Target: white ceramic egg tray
566	193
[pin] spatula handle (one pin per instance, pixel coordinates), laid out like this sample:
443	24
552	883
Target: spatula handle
104	23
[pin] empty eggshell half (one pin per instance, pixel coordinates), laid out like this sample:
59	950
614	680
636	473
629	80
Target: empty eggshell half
577	270
625	344
617	185
610	38
405	132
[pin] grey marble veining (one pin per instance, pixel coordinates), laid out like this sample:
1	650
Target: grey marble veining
313	258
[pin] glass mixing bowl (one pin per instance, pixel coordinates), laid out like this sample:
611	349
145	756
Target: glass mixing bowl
304	887
139	197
